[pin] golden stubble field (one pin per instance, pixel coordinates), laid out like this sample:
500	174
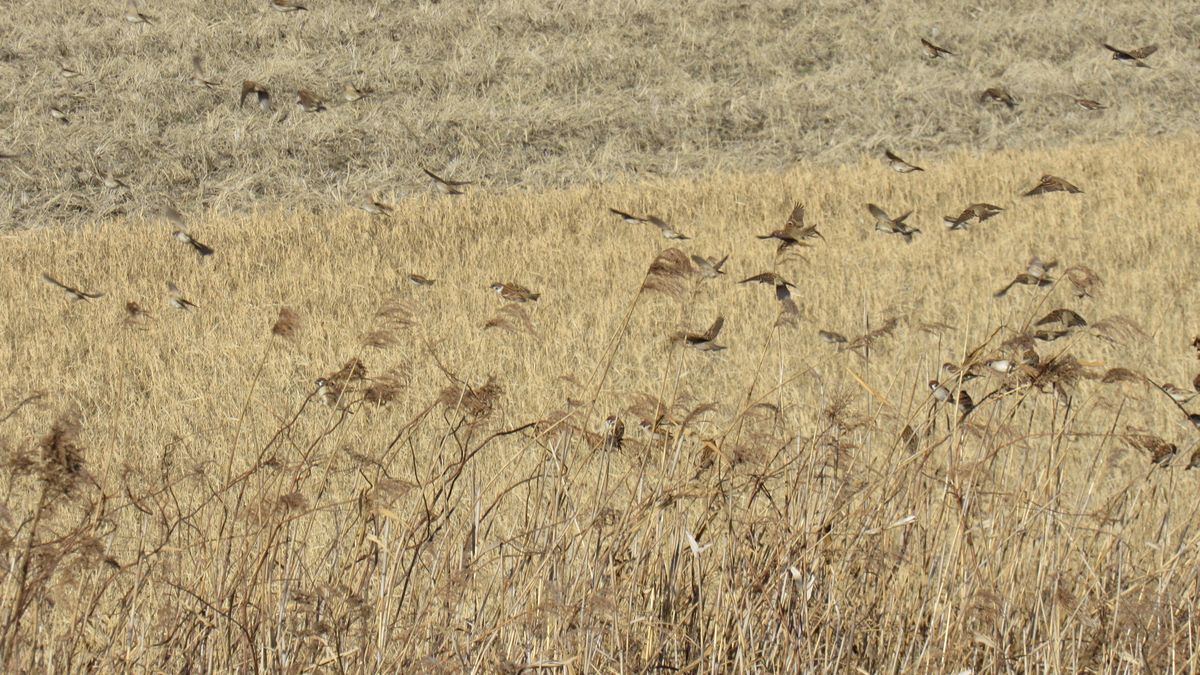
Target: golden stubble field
180	497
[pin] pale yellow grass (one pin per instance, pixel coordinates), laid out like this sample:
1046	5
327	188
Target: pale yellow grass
251	530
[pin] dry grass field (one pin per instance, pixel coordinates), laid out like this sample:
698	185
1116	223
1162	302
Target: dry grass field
522	94
319	466
181	497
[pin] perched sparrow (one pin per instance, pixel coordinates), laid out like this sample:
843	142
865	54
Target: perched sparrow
998	95
1062	316
898	164
980	212
1089	104
73	293
614	433
445	186
287	6
962	374
933	51
250	88
351	93
1133	57
418	280
309	102
1050	183
667	231
709	268
1002	366
888	225
1178	395
706	341
198	77
327	392
176	298
514	292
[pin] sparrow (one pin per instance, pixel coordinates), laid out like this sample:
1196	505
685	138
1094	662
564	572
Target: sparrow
1035	274
998	95
888	225
186	238
769	278
326	392
374	207
706	341
710	268
1050	183
287	6
667	231
961	374
980	211
59	115
1049	335
67	72
351	93
832	337
794	231
198	78
1178	395
419	280
514	292
134	311
614	433
176	298
134	15
1133	57
1001	366
259	92
1089	104
933	51
1191	417
1062	316
309	101
899	165
447	187
962	399
74	293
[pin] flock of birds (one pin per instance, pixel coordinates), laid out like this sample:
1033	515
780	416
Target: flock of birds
794	233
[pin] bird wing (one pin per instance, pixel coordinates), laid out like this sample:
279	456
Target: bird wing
796	219
627	217
879	214
764	278
55	282
714	330
1143	52
1118	52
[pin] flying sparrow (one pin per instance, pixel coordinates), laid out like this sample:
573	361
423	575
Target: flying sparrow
1050	183
899	165
832	337
73	293
710	268
59	116
706	341
375	207
176	298
419	280
309	101
351	93
1062	316
514	292
980	212
186	238
446	186
134	15
933	51
888	225
1133	57
667	231
998	95
287	6
198	77
250	88
1089	104
67	72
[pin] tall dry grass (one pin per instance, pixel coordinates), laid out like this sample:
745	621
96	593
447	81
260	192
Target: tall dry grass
528	93
180	496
